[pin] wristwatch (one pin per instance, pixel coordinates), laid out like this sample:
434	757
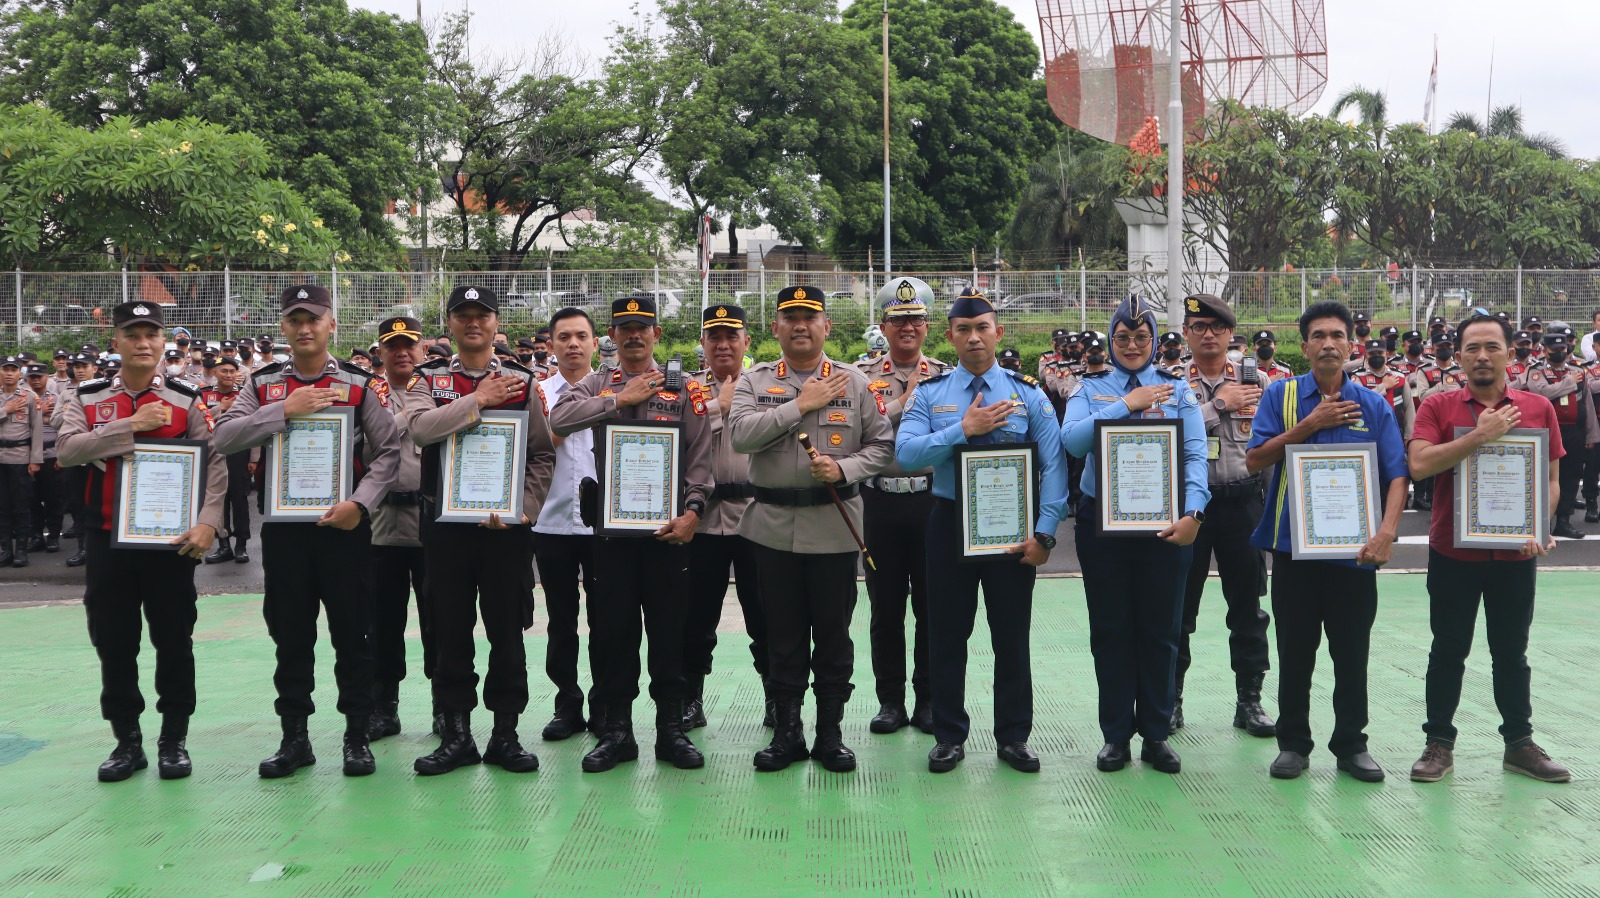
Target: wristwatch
1219	404
696	506
1046	540
1199	516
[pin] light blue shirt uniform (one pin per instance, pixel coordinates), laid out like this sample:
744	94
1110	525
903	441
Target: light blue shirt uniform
930	429
1099	398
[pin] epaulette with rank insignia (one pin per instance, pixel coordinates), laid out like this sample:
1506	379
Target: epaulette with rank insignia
1097	373
433	363
937	377
516	366
271	368
1169	373
186	389
93	386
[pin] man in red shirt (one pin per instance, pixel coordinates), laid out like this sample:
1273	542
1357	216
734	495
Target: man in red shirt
1459	578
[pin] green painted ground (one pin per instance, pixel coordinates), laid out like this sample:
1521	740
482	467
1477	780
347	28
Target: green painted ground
1220	828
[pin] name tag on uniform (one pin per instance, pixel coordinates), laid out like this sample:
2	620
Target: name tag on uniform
1106	398
1213	448
941	409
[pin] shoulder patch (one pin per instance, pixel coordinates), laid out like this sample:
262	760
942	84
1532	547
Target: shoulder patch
93	386
380	388
413	381
425	366
1096	373
184	388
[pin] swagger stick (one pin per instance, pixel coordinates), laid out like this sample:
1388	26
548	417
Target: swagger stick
805	443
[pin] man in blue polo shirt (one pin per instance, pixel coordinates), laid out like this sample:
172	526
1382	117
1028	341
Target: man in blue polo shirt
1313	596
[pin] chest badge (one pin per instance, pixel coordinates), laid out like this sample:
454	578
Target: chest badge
836	418
276	392
835	439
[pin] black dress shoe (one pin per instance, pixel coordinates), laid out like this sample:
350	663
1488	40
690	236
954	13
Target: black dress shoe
945	756
385	721
223	552
1289	765
922	716
561	727
358	760
240	556
127	757
1113	757
1159	754
1021	758
52	544
616	746
1563	528
78	558
506	752
1361	766
294	752
1591	511
456	748
172	759
20	559
891	718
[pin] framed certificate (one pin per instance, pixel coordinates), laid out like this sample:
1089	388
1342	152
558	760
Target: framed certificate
1502	496
1140	475
640	467
309	465
162	488
997	498
481	469
1332	494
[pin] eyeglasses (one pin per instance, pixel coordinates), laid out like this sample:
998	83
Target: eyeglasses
1208	327
907	321
1139	340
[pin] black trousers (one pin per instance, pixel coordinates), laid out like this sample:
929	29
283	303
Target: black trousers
952	608
710	559
1591	473
397	571
308	568
896	529
119	584
1572	439
641	586
1308	599
236	507
50	498
16	502
1454	590
471	569
1242	570
1134	587
74	483
809	600
564	562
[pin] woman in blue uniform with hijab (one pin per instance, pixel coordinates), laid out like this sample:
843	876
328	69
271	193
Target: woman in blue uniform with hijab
1135	585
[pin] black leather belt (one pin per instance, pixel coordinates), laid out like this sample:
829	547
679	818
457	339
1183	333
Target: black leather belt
803	498
1236	490
403	497
49	444
739	489
15	444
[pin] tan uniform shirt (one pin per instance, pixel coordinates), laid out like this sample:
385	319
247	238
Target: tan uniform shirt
723	513
22	431
893	383
400	525
853	429
1227	433
593	400
1573	387
49	403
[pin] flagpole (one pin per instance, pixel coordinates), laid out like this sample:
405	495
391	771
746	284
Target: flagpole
887	264
1175	183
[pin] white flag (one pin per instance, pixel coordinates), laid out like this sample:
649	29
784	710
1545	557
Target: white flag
1433	88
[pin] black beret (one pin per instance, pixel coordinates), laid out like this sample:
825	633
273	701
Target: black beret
1204	305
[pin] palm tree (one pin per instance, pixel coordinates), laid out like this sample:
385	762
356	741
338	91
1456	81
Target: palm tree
1067	201
1372	105
1506	122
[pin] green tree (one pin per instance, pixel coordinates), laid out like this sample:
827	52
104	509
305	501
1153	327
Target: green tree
1372	105
335	94
1506	122
1386	196
1067	203
182	191
968	114
1502	203
756	100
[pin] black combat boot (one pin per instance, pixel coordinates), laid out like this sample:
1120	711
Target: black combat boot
52	543
128	756
1561	527
616	741
79	557
293	753
1177	710
36	543
671	743
385	721
694	712
223	552
456	748
358	760
1248	715
6	553
240	555
20	557
829	749
788	737
1591	511
172	757
505	750
770	715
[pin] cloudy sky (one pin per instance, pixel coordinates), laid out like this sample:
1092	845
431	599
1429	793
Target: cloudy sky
1543	50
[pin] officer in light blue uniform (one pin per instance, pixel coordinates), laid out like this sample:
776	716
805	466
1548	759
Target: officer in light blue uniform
938	417
1134	585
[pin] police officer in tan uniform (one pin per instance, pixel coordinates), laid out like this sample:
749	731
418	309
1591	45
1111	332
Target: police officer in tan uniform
48	490
1227	405
1564	382
21	456
806	556
896	505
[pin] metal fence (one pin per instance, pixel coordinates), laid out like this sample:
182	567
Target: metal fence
52	308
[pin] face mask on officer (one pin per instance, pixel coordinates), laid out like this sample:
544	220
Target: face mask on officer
1375	359
1095	358
1555	356
1363	329
1171	353
1443	352
539	355
1524	352
1264	351
174	370
1414	350
1235	356
1389	343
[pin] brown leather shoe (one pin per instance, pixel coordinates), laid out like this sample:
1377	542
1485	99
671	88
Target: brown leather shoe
1436	761
1531	761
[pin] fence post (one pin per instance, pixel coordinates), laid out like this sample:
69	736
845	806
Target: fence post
227	301
440	291
761	296
1519	295
549	290
657	274
1083	296
125	296
1413	297
1302	291
335	290
19	308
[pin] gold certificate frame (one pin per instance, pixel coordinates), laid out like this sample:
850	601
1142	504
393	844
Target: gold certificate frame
161	490
1139	475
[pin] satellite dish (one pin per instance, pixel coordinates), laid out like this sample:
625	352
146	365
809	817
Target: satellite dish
1107	61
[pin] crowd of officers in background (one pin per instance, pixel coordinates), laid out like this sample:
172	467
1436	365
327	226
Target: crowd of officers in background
758	504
